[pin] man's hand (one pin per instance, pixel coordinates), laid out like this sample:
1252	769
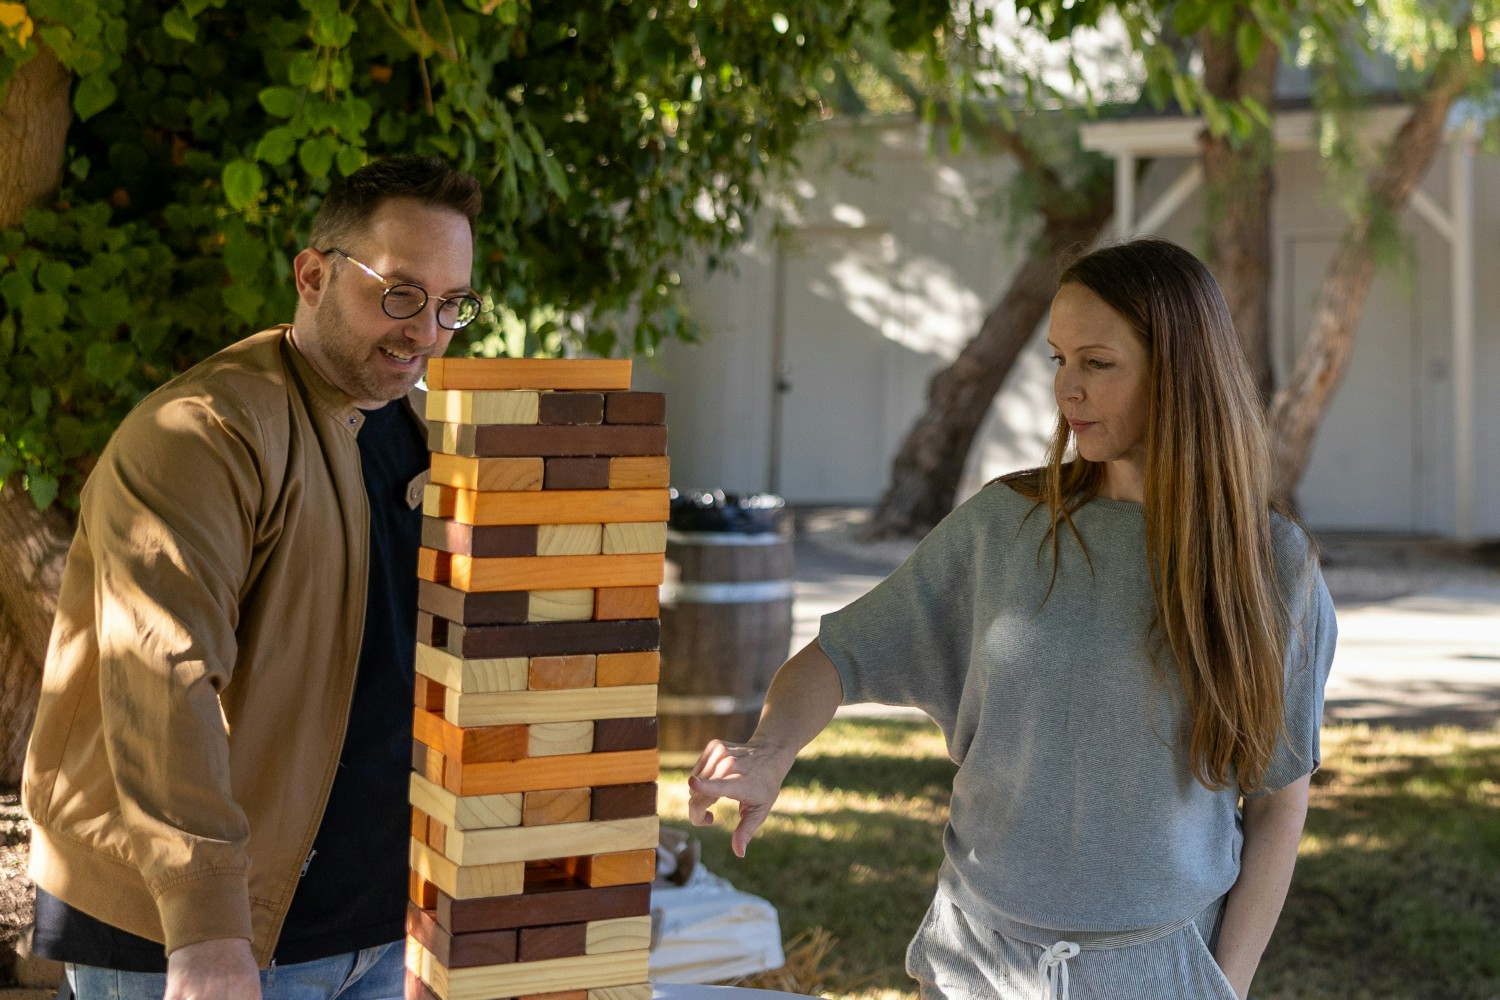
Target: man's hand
221	969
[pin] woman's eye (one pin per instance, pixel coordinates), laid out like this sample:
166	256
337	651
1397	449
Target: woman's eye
1056	360
1100	365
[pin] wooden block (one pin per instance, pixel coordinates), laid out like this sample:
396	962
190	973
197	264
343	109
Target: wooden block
488	474
501	708
437	837
475	675
571	408
556	673
557	805
614	669
415	988
556	572
553	941
494	607
562	771
549	739
421	891
632	537
418	756
639	472
430	695
485	541
471	849
559	995
432	564
555	638
618	868
433	768
569	539
590	374
466	881
477	744
432	630
465	812
623	801
479	441
554	904
625	734
438	502
555	506
520	978
576	474
633	408
619	934
471	406
626	603
458	951
636	991
560	605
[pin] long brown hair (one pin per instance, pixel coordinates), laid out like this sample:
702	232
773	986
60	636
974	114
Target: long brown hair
1207	502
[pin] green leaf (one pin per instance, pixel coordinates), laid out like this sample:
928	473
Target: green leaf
55	276
242	182
108	363
179	24
44	312
43	490
41	401
95	93
276	146
1248	38
279	101
350	159
244	301
1189	16
557	179
316	155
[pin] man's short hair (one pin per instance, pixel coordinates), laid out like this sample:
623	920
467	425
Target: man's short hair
351	202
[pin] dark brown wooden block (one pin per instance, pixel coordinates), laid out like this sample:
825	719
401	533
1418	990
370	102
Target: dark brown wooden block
471	745
554	902
432	630
419	755
624	801
576	474
534	944
635	408
498	607
460	951
624	734
505	441
485	541
571	408
552	638
418	990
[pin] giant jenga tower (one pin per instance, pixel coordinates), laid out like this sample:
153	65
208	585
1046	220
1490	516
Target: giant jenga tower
534	824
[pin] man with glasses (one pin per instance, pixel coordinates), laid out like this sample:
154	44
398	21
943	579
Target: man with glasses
217	776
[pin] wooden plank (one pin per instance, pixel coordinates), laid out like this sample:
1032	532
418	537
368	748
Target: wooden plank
548	739
617	868
637	472
500	708
519	978
560	606
619	934
491	607
554	506
535	944
474	745
458	951
471	849
569	539
549	904
635	991
480	406
484	541
589	374
432	630
562	771
421	891
556	805
554	638
472	675
437	501
556	572
480	441
558	995
465	812
623	801
488	474
434	565
624	734
626	603
429	695
557	673
614	669
571	408
635	537
575	473
470	881
434	767
633	408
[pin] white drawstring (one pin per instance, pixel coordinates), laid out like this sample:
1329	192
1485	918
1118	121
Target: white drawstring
1054	965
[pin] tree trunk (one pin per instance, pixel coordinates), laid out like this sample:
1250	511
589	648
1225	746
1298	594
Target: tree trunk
1240	183
926	471
33	132
1299	405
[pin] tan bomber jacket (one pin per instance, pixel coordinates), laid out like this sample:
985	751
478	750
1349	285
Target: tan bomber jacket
202	663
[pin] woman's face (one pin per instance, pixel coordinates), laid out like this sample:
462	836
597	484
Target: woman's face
1101	387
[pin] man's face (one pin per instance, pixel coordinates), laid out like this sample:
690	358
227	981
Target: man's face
350	340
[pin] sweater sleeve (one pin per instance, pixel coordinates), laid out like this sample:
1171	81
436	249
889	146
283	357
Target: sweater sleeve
169	516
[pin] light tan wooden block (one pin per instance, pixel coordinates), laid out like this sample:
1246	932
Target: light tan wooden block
432	766
465	812
414	955
548	739
551	806
488	474
438	501
502	707
635	536
470	406
587	374
635	991
616	669
474	676
610	767
620	934
559	506
485	982
481	848
466	881
560	605
569	539
639	472
557	673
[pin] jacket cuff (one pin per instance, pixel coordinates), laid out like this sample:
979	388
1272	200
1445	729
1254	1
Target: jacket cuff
205	909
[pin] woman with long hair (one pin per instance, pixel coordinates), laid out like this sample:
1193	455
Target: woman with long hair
1126	651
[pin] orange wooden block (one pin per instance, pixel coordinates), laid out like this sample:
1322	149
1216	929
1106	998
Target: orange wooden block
418	824
556	805
586	374
618	767
621	868
437	835
639	472
552	673
471	745
622	669
555	506
621	603
434	565
421	891
556	572
489	474
430	695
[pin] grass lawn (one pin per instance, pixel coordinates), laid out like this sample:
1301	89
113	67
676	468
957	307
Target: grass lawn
1396	896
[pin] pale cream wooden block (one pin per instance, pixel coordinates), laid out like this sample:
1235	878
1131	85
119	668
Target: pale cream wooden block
635	537
436	502
621	934
477	676
483	407
547	739
570	539
467	812
553	975
414	955
501	708
560	605
484	848
635	991
468	881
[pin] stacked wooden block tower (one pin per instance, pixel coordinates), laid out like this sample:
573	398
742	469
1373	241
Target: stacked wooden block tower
533	791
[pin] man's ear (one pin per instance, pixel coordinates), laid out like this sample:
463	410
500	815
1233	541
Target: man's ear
311	273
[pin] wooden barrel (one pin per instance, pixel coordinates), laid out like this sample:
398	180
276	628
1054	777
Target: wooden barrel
726	625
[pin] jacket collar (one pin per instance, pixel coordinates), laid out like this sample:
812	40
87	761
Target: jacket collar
332	400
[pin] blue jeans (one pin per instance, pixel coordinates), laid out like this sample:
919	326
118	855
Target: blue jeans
371	974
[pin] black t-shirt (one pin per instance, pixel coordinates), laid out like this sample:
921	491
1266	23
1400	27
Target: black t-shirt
353	889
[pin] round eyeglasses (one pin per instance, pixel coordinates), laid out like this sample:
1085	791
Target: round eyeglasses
404	299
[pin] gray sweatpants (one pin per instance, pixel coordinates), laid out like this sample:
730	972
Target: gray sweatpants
952	958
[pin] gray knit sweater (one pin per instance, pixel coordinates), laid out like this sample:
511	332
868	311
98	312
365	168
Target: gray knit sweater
1074	806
